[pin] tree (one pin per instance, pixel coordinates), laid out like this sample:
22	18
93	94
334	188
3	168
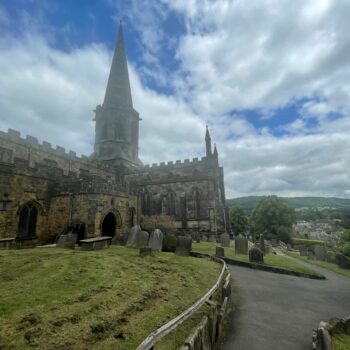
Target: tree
274	218
238	219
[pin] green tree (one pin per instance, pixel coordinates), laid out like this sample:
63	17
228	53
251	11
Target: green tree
238	219
273	217
343	246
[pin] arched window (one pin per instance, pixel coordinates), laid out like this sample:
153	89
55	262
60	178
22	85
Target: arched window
146	203
28	215
171	203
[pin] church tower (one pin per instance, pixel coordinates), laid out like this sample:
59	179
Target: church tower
117	123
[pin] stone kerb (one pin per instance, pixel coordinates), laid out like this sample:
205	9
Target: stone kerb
156	240
183	245
225	239
241	245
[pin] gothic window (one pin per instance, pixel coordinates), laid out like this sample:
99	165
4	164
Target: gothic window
5	155
146	203
195	197
171	203
28	215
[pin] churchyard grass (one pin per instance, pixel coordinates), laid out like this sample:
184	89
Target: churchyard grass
270	259
341	341
54	298
325	264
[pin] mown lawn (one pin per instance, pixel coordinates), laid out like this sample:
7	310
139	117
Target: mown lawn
53	298
325	264
341	341
270	259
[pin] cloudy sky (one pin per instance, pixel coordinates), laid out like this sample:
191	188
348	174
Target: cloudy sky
271	78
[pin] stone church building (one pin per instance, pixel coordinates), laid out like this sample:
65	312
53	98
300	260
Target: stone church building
45	190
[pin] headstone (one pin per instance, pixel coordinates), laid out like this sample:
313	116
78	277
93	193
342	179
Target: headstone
183	245
156	240
204	238
212	238
256	255
197	237
320	252
220	251
262	244
67	241
225	240
268	248
241	245
310	255
120	239
141	239
146	251
132	235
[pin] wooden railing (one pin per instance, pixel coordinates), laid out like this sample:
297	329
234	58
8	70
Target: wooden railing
155	336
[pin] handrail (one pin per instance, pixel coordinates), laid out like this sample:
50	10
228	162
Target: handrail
156	335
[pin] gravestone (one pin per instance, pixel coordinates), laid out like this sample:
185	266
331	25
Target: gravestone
67	241
156	240
256	255
120	239
320	252
220	252
146	251
241	245
212	238
268	248
141	239
310	255
204	238
262	244
183	245
132	235
225	240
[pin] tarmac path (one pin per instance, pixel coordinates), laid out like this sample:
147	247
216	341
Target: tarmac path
279	312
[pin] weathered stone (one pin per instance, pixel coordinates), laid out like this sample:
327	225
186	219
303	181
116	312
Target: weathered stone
156	240
220	251
67	241
241	245
141	239
146	251
204	238
183	245
120	239
320	252
303	252
256	255
225	239
310	255
132	235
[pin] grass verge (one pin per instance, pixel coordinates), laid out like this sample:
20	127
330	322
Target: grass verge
327	265
270	259
110	299
341	341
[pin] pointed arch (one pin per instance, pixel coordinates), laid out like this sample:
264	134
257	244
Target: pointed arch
27	220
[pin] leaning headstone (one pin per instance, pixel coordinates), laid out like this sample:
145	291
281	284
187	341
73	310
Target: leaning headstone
212	238
225	239
310	255
141	239
220	252
320	252
183	245
256	255
132	235
67	241
156	240
146	251
241	245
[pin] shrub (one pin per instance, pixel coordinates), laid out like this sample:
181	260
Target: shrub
163	222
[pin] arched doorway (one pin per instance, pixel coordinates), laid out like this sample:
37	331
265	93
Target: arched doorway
109	225
28	215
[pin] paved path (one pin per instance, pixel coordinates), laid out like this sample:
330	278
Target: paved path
279	312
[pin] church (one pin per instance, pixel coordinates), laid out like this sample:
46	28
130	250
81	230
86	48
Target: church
44	190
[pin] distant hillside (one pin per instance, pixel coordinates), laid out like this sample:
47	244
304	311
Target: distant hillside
248	203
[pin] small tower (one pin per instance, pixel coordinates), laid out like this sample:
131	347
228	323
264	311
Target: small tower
207	143
215	154
117	123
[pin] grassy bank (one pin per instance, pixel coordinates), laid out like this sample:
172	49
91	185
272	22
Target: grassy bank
111	299
341	341
327	265
270	259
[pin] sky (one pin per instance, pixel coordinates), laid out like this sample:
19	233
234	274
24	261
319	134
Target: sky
271	79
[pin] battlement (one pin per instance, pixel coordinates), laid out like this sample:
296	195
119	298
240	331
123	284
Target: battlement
176	164
33	143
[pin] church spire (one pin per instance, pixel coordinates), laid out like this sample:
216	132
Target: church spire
207	143
118	93
215	151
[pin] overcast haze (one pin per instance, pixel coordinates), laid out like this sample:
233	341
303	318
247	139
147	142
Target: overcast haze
270	78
